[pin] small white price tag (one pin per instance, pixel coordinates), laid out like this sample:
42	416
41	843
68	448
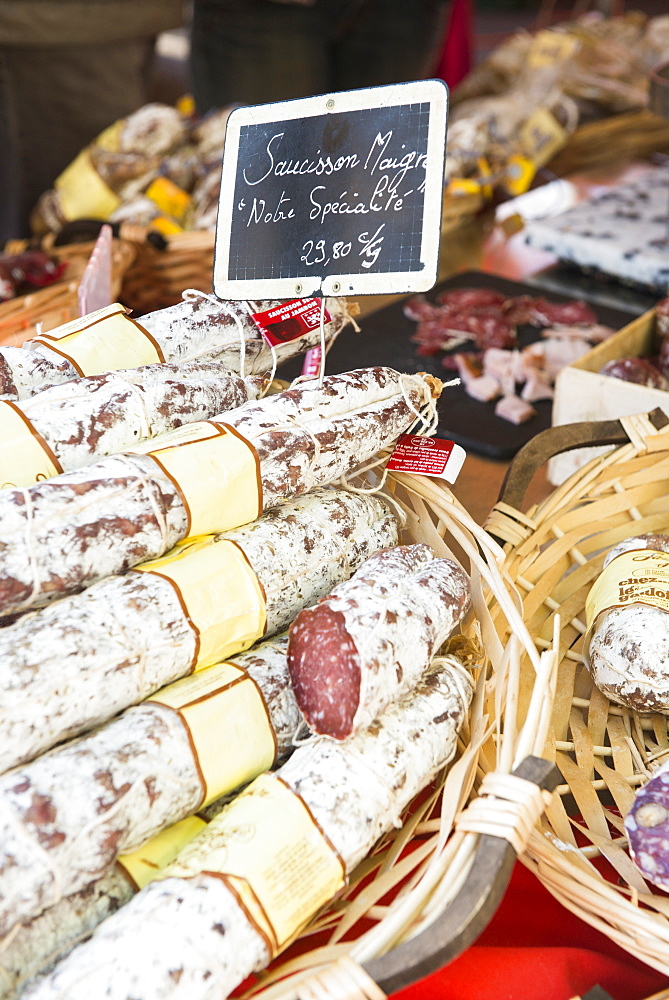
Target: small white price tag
426	456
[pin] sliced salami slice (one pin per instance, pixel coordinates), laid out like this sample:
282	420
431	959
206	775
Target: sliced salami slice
86	418
370	640
545	313
647	826
64	534
67	816
189	935
80	661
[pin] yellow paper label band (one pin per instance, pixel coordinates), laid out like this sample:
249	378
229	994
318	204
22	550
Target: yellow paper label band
25	457
229	727
550	47
82	192
520	172
145	864
272	853
640	576
216	471
542	136
105	340
110	138
169	198
219	593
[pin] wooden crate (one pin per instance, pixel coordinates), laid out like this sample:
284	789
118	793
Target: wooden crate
582	393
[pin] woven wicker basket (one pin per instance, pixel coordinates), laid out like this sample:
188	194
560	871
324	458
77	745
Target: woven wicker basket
429	888
57	303
554	552
452	858
158	277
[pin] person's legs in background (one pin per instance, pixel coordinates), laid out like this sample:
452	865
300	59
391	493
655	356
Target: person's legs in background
56	100
256	52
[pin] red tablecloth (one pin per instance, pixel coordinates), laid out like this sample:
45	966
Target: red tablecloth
534	949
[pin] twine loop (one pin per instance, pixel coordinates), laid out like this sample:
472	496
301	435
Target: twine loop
508	807
224	307
343	980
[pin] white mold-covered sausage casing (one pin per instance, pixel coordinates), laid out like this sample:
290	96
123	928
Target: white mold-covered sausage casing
628	653
368	642
67	815
201	325
74	664
197	328
64	534
317	433
189	937
98	415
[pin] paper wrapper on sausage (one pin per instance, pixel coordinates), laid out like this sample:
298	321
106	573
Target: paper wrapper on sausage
628	652
67	815
72	425
189	935
64	534
38	944
369	641
197	328
71	666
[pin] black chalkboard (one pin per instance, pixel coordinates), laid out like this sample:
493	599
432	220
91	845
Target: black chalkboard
339	194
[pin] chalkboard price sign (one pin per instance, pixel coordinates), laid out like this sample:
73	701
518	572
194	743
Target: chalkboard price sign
338	195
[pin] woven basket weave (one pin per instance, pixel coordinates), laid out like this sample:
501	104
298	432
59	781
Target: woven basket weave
429	888
58	303
554	553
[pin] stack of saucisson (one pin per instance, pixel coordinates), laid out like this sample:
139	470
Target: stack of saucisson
339	795
64	534
74	664
199	328
143	573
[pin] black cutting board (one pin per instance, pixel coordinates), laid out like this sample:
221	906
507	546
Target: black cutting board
385	339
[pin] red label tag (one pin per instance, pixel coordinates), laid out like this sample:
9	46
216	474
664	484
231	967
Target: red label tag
312	362
425	456
290	320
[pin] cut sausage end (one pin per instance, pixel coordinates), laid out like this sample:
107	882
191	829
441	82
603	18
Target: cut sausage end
324	667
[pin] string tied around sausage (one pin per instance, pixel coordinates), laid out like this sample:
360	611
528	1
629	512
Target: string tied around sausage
425	425
195	293
508	807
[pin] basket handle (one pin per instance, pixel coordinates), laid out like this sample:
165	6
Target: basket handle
471	910
555	441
